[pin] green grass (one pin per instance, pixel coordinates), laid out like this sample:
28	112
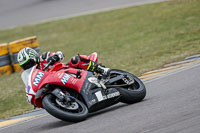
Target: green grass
136	39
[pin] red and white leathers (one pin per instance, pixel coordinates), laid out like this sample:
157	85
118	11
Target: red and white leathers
78	61
83	61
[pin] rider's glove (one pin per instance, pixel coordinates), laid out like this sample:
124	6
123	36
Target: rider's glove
53	59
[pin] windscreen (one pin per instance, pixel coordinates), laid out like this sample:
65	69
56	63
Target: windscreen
25	76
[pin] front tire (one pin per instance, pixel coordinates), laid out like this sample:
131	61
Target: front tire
53	108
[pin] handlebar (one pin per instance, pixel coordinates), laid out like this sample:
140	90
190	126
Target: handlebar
47	65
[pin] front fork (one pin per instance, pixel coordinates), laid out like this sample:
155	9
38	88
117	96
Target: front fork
65	100
61	96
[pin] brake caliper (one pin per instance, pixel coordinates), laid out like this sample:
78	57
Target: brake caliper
128	80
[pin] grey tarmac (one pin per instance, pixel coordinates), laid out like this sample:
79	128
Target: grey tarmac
15	13
171	106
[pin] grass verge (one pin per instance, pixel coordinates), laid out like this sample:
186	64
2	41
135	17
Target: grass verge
135	39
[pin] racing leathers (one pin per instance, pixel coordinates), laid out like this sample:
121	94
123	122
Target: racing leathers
89	63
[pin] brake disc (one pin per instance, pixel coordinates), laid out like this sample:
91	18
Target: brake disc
69	106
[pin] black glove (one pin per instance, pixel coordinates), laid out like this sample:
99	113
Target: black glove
53	59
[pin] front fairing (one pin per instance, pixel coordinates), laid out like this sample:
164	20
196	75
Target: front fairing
26	78
34	79
66	78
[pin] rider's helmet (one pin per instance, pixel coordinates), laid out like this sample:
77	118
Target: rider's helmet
27	58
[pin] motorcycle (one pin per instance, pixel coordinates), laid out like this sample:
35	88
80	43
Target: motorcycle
70	94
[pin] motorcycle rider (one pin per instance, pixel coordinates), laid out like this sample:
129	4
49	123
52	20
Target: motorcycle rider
28	58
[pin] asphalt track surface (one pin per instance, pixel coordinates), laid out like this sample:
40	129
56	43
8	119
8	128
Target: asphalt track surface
15	13
171	106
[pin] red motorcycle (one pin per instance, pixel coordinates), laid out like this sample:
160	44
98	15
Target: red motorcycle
70	94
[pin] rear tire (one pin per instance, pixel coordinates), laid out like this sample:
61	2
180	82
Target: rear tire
134	93
49	103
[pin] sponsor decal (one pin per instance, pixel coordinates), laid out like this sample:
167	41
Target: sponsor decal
113	95
93	101
73	81
100	97
28	89
38	78
65	78
60	75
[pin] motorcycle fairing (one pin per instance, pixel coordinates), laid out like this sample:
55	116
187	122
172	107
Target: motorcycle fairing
96	98
26	77
38	78
61	78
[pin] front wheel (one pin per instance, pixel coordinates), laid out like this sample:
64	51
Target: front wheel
75	112
132	93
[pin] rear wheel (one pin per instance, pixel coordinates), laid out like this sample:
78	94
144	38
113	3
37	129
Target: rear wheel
131	93
74	111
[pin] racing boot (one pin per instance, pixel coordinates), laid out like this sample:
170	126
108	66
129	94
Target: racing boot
94	67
